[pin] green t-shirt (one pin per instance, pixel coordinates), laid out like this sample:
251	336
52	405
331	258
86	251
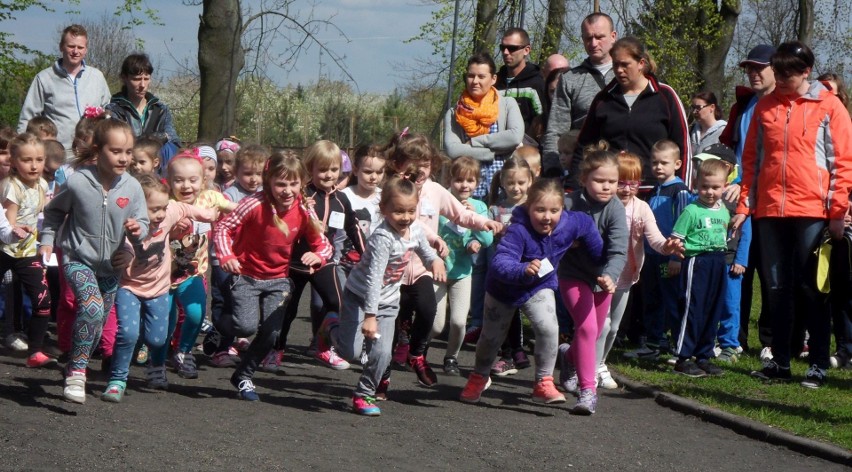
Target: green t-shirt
702	229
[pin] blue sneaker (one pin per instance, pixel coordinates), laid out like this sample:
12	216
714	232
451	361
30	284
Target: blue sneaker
365	406
246	389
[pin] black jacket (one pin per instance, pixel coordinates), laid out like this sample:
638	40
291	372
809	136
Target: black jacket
156	122
527	88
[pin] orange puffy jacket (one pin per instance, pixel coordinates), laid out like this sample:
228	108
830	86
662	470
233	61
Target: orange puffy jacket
797	160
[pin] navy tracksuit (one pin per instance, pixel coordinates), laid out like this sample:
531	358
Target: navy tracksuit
703	278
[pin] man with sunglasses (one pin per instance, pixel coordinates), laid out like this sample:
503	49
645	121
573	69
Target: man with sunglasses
519	78
578	87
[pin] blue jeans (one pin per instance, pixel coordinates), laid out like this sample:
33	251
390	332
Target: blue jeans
789	270
477	285
153	322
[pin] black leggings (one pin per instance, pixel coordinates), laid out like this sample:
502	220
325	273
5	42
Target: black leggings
31	274
418	301
326	283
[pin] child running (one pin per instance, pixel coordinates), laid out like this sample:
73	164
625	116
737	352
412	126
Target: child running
364	195
587	282
371	303
274	218
100	205
522	276
145	284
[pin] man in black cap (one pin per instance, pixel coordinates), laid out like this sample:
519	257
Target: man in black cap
762	81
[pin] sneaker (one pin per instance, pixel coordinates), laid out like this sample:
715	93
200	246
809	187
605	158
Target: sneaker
545	392
451	366
157	378
222	359
382	390
425	376
245	389
521	360
476	384
710	368
17	342
142	355
645	352
311	350
242	344
765	355
728	355
75	386
400	354
330	359
806	350
211	342
605	379
322	340
567	373
272	361
503	367
772	371
815	377
688	368
206	326
365	406
39	359
114	391
838	361
471	336
184	364
587	402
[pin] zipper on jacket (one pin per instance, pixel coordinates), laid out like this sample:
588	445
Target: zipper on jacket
784	161
103	229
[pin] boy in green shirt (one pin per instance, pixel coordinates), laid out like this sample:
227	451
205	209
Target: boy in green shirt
703	228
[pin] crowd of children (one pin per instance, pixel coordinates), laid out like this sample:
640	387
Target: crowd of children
393	256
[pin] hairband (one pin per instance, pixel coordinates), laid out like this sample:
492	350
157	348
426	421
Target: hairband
207	152
192	153
227	145
93	112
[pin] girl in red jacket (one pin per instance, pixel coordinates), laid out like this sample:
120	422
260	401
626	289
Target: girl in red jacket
255	243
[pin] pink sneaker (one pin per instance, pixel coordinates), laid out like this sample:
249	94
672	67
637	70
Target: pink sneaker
272	361
400	355
242	344
39	359
330	359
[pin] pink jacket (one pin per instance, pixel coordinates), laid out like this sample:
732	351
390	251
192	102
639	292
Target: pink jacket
435	201
640	222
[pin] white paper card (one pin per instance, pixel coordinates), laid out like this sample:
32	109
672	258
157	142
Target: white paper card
546	268
336	220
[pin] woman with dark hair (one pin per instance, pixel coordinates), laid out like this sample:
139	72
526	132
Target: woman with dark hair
484	125
634	111
707	126
838	87
138	107
797	175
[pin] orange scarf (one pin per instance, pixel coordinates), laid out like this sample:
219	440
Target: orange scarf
477	116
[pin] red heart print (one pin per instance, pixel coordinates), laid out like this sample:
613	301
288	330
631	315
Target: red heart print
122	202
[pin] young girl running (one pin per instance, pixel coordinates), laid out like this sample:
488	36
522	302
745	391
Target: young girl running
364	194
641	226
371	303
323	162
23	199
522	276
100	205
145	284
464	245
274	218
417	294
587	282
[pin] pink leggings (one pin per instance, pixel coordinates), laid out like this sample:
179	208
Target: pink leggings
66	312
588	309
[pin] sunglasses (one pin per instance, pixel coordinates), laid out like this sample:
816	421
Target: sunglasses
511	47
699	107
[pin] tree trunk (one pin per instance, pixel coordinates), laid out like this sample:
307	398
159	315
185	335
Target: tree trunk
711	59
805	27
553	29
220	60
485	28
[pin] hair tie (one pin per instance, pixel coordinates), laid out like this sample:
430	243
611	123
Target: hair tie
93	112
193	153
404	132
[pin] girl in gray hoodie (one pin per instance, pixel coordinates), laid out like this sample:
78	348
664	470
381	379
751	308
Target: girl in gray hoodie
100	206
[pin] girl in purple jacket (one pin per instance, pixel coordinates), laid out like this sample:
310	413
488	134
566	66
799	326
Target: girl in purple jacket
522	275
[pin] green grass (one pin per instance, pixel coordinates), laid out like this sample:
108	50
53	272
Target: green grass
824	414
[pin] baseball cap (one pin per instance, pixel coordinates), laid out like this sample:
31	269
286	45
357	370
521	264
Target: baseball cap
760	54
718	151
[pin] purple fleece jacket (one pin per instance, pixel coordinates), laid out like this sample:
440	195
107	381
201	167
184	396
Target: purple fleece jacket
506	280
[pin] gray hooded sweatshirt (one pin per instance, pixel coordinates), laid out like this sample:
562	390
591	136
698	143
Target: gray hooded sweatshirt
94	229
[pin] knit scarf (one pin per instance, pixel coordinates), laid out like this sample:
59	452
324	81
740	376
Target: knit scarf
477	116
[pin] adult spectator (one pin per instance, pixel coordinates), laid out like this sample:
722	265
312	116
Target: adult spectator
797	175
63	91
707	126
838	88
519	78
761	81
635	111
484	125
553	62
138	107
578	87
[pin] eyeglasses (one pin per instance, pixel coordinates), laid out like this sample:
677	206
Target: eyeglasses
622	184
699	107
511	47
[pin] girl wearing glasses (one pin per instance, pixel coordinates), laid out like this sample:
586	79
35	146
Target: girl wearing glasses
707	125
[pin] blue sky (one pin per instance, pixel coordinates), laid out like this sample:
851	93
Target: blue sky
377	30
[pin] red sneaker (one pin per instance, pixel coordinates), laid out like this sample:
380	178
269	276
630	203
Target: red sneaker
425	375
476	384
545	392
39	359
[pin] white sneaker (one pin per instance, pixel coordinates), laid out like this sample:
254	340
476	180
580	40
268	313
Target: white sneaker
605	379
17	342
765	355
75	387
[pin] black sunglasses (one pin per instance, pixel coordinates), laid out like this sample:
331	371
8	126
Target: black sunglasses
511	47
